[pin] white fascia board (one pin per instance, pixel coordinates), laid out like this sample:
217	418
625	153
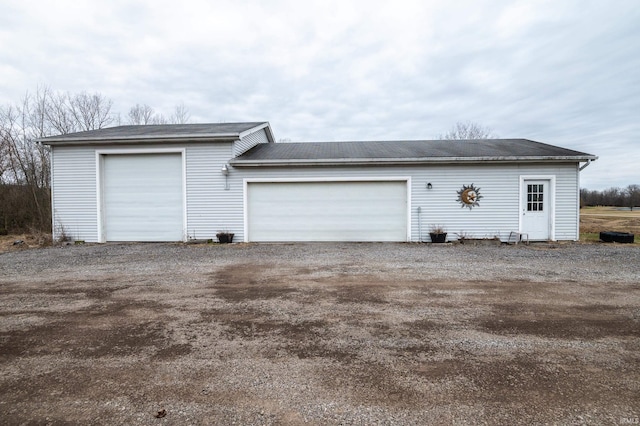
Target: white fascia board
328	179
403	161
141	150
270	135
146	139
265	126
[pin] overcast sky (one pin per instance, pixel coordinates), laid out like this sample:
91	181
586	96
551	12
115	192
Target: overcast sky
563	72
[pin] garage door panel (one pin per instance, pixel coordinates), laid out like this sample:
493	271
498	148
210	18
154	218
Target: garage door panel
142	198
327	211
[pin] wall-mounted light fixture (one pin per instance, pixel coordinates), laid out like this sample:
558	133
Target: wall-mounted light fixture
225	173
429	186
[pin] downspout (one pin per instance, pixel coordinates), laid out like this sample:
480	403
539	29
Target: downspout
585	165
579	198
419	225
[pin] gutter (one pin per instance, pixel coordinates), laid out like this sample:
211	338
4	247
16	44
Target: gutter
238	162
138	139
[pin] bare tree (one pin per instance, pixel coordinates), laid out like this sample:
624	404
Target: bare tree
144	114
619	197
468	130
141	114
57	113
633	196
27	164
67	113
24	163
90	111
180	115
4	157
20	126
613	197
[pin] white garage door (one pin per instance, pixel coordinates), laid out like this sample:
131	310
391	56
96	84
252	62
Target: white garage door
142	197
327	211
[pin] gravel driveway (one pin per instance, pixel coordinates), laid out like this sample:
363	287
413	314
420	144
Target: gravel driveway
320	334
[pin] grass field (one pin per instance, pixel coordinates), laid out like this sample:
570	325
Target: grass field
594	220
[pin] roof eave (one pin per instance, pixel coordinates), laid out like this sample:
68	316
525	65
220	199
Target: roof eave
217	137
237	162
140	139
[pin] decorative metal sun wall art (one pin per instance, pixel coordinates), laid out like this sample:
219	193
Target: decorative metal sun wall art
469	196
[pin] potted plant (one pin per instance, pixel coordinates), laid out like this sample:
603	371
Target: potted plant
438	234
224	237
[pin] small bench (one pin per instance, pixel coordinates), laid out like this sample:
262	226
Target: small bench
517	237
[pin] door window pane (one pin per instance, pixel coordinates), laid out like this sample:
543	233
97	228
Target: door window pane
535	198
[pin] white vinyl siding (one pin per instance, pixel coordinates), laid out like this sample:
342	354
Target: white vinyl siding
74	202
567	201
497	215
327	211
249	141
211	208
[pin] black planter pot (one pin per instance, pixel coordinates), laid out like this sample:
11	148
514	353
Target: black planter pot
225	237
438	238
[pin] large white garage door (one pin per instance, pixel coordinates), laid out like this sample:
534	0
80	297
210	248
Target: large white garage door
142	197
327	211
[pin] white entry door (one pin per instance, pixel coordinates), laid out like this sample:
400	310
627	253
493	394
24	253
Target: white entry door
327	211
536	209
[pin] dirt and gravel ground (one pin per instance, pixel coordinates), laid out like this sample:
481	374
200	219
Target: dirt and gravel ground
320	334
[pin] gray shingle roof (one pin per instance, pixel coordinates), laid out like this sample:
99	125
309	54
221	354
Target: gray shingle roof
156	132
328	152
406	151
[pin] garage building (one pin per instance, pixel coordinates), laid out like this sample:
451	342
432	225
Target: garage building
190	181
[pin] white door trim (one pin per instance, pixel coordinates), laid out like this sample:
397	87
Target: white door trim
247	181
100	153
551	198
